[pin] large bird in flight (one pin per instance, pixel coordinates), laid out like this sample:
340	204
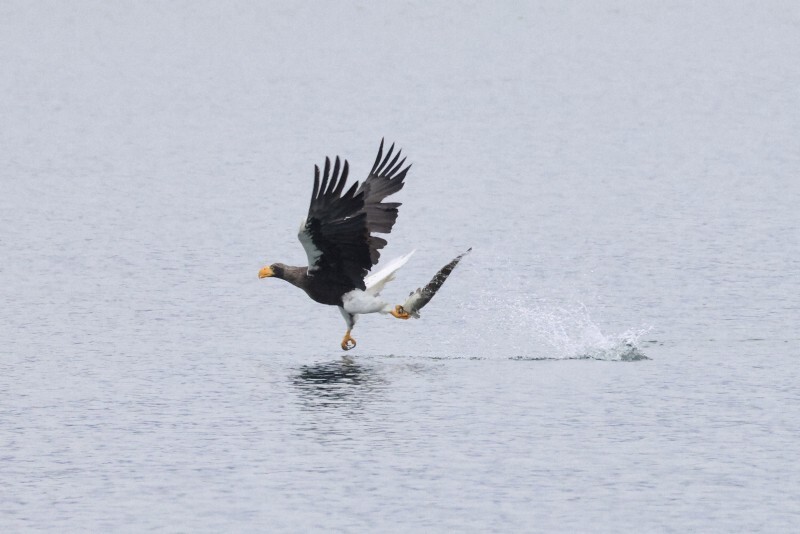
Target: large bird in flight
337	236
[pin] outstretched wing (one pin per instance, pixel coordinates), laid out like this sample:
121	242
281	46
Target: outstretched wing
385	178
337	233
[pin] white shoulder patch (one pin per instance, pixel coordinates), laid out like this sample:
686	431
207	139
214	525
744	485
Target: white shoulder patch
312	252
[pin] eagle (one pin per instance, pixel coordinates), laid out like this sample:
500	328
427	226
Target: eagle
338	236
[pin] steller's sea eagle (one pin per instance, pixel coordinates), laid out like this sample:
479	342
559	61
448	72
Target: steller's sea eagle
337	236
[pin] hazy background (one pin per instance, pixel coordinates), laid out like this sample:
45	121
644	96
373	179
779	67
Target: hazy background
626	173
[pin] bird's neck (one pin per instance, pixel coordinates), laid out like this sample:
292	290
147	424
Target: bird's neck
295	276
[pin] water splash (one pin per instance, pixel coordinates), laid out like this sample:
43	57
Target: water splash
571	333
524	328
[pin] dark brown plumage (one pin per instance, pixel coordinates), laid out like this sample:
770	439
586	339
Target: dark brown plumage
338	231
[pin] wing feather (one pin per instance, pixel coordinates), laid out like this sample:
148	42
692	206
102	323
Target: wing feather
337	233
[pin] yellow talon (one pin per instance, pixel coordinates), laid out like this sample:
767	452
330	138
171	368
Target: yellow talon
348	342
399	312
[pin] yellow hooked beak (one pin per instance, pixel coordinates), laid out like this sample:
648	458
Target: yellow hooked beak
265	272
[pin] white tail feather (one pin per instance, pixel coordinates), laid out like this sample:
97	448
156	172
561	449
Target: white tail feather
376	281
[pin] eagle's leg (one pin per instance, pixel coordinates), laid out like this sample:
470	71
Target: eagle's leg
348	342
399	312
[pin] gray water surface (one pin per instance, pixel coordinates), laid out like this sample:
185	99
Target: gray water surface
619	352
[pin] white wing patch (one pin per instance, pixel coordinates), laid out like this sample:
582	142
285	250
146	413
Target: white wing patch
312	251
376	281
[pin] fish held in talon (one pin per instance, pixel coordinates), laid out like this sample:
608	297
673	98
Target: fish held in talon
338	236
422	296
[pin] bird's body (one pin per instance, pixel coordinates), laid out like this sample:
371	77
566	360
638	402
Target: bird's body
320	287
337	236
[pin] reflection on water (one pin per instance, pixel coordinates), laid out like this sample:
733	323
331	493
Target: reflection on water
339	382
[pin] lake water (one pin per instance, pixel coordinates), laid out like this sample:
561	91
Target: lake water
618	353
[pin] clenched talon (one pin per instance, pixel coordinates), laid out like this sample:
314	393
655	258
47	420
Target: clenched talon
399	312
348	342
